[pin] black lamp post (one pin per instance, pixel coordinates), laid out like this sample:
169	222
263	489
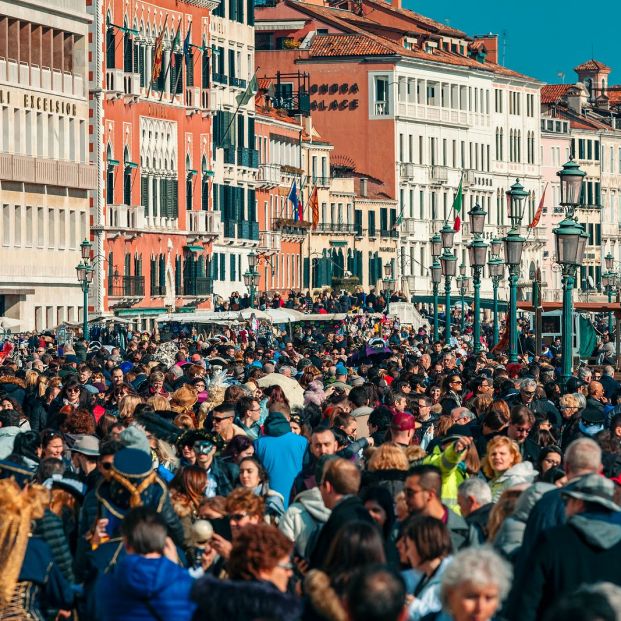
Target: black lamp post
477	253
251	277
496	269
448	263
85	270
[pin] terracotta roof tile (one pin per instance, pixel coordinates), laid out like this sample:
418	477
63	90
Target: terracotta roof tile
551	93
592	65
348	45
580	121
614	94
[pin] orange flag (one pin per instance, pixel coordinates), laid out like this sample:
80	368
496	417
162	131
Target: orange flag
158	53
314	208
539	211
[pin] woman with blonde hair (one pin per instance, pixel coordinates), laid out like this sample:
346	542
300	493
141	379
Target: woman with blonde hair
127	406
387	467
29	573
159	403
503	466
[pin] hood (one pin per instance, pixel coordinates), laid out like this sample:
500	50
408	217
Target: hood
518	474
528	499
600	530
10	383
276	425
143	577
7	440
312	501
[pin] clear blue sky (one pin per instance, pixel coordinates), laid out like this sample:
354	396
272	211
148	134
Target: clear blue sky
542	38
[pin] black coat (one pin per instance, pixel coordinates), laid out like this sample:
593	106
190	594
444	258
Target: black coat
583	551
350	509
242	600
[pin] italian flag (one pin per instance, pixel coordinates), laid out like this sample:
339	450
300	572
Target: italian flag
459	199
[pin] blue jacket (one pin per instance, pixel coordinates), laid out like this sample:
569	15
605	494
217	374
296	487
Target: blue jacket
135	580
282	457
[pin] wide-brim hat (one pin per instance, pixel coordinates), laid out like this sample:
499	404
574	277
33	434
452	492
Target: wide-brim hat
593	488
160	427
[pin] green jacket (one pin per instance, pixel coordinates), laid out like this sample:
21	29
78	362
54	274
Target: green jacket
453	473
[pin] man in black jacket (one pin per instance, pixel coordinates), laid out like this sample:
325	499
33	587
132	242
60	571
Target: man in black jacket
339	485
520	425
583	551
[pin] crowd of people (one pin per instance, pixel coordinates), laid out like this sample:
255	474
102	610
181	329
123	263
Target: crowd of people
347	471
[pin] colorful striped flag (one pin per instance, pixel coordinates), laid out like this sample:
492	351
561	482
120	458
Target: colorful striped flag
457	204
539	211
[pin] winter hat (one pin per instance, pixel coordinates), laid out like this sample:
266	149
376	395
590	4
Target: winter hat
135	438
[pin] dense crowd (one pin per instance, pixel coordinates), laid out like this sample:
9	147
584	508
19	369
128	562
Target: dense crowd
344	471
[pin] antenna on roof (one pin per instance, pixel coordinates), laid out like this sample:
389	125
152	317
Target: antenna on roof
561	75
504	47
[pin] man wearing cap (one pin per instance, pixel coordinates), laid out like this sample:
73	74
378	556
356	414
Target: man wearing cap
340	376
585	550
402	429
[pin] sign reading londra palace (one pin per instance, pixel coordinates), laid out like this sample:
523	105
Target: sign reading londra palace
41	103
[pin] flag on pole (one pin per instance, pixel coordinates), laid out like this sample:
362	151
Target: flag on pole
293	197
158	53
457	203
243	98
314	208
539	211
187	43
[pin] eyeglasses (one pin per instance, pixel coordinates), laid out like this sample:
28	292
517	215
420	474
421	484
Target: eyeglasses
219	419
237	517
457	382
528	393
73	389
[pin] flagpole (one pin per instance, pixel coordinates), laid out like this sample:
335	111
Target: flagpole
239	103
172	47
155	50
174	91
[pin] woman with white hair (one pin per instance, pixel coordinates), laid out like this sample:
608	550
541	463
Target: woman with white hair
473	586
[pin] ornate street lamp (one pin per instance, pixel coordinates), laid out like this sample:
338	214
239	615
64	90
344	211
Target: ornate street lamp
447	234
571	186
436	279
462	283
609	282
448	263
388	280
568	239
496	269
477	252
84	270
514	244
251	277
436	246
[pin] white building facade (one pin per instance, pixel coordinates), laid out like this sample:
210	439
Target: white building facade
45	175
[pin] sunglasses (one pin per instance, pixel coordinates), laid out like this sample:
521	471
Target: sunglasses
219	419
237	517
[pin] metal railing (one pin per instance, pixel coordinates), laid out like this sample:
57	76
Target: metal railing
126	286
198	286
339	227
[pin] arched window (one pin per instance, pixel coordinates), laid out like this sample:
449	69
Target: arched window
110	43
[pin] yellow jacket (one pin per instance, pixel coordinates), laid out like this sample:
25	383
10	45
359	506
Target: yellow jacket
448	461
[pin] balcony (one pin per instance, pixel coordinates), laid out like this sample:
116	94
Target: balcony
197	286
389	233
230	229
269	242
193	100
408	226
249	158
29	169
439	174
42	78
321	182
336	228
126	286
268	175
408	172
382	108
131	86
205	223
115	83
248	230
125	218
157	290
237	82
230	155
219	78
291	229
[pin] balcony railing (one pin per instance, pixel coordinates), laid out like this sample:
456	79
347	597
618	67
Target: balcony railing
126	287
47	172
269	242
322	182
248	230
197	286
220	78
439	174
157	290
389	233
125	217
230	155
205	223
238	82
338	227
248	158
268	175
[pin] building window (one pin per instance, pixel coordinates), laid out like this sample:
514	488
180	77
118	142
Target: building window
110	48
382	96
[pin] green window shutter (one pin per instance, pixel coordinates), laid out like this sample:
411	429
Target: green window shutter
233	275
222	267
214	266
189	69
250	13
205	70
162	272
174	208
163	188
141	63
205	195
144	191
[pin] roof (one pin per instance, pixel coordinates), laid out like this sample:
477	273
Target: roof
580	121
614	94
348	45
551	93
425	22
592	65
375	45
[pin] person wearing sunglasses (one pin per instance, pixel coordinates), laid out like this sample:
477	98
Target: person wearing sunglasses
452	388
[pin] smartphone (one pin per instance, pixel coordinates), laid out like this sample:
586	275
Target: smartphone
222	527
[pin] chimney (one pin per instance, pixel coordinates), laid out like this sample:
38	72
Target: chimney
396	4
364	186
577	98
491	45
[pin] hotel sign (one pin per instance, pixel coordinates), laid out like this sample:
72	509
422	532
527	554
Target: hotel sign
42	103
334	96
